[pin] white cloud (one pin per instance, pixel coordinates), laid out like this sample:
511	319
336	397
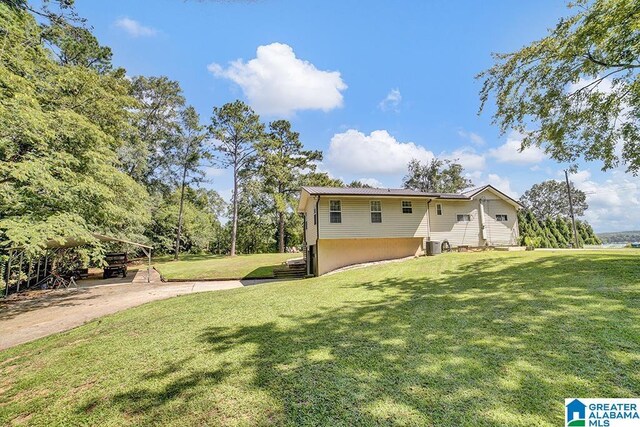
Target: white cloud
372	182
391	101
502	184
472	136
276	82
135	28
468	158
354	152
613	202
510	152
604	86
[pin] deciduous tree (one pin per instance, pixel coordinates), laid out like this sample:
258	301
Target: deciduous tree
550	199
156	119
576	91
60	125
437	176
187	152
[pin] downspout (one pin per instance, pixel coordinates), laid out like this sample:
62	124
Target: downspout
428	226
429	220
317	233
483	229
305	224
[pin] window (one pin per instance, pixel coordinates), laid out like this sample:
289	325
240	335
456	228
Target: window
463	217
406	207
501	217
376	211
315	215
438	209
335	212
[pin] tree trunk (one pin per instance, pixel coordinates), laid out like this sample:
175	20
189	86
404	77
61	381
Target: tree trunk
234	219
180	213
281	232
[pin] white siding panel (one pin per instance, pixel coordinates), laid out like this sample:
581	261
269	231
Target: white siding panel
498	232
311	231
356	218
447	227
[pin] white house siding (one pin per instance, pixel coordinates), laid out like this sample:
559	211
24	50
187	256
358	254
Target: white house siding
311	232
446	226
500	233
356	218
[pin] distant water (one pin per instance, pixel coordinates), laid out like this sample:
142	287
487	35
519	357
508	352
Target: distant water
614	245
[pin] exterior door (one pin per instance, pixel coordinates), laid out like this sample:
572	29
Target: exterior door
311	260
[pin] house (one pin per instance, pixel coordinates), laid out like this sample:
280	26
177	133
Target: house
576	411
345	226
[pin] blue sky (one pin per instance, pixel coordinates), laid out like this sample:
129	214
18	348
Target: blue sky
371	84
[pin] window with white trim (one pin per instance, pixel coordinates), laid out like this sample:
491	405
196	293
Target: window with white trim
335	212
376	211
501	217
438	209
463	217
407	208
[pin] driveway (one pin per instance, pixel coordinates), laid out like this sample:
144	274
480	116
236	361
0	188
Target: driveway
38	314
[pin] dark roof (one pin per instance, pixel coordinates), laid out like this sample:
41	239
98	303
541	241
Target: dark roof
348	191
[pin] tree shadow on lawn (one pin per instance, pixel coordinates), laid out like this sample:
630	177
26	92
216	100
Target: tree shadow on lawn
486	344
37	300
150	403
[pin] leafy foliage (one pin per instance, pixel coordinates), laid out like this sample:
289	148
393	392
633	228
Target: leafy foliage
201	230
146	154
550	199
358	184
553	233
187	151
60	125
437	176
236	128
576	92
282	163
321	179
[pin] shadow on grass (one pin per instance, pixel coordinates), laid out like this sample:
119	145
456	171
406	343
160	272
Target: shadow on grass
493	348
42	299
484	344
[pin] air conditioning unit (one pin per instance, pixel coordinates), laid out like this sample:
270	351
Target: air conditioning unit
433	247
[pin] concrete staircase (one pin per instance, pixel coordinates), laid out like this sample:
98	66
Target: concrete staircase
292	269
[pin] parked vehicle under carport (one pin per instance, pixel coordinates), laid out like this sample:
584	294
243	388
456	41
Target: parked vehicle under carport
116	264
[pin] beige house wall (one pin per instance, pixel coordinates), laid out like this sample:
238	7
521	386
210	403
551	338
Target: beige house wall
356	218
446	226
336	253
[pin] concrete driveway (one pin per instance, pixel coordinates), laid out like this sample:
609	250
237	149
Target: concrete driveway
28	317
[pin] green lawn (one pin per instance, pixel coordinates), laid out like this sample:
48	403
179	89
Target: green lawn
470	339
200	267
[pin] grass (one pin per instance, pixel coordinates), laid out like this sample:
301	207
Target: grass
210	267
470	339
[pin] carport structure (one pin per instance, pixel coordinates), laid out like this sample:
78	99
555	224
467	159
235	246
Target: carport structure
39	273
